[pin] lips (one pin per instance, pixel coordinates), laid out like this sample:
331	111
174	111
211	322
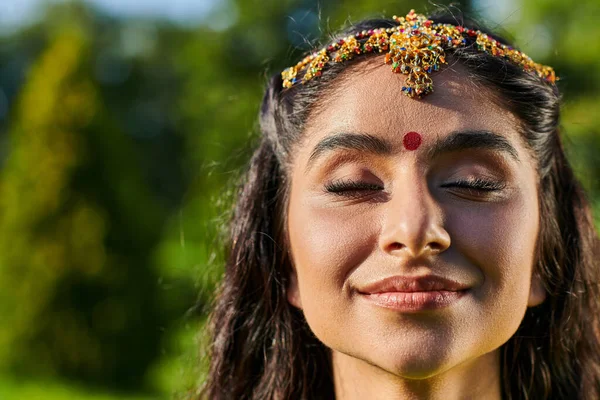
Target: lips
428	283
414	294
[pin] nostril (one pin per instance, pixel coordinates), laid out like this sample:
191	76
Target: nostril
436	247
397	246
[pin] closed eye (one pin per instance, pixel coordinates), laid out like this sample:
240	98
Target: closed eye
479	184
348	187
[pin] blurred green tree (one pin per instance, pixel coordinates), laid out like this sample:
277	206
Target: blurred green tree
78	292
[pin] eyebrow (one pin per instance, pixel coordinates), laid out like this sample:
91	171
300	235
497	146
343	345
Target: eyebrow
473	139
350	141
455	141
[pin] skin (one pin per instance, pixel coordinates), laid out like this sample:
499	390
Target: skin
413	220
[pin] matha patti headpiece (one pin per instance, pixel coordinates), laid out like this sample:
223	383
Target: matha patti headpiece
416	48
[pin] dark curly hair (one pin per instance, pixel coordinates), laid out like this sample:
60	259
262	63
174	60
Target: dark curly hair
262	347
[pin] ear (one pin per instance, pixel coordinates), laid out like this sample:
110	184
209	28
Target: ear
537	292
293	291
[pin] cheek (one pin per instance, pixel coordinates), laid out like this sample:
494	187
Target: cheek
327	244
501	242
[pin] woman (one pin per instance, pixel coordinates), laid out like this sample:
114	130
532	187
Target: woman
413	234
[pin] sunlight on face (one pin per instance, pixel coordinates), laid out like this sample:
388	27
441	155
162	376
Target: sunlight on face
372	223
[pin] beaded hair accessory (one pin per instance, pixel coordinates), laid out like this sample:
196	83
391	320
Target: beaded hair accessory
416	48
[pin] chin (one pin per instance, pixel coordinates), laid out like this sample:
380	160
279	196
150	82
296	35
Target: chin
415	365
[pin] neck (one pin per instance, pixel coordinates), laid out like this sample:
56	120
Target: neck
355	379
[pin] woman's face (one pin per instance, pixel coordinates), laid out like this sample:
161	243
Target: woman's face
413	257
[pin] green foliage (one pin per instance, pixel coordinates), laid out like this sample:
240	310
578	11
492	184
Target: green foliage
53	390
78	291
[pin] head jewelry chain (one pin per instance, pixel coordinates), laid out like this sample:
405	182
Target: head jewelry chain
416	48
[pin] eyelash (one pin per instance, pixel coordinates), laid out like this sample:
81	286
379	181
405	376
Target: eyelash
351	188
478	184
348	187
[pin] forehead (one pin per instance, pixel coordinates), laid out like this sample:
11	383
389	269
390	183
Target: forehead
366	98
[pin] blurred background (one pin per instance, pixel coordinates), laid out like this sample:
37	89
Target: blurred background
124	126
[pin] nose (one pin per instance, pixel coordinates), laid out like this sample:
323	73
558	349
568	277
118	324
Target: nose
413	223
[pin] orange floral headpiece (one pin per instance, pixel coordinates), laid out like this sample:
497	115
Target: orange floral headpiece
416	48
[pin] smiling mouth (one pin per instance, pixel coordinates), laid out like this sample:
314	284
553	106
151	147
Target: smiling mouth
413	294
415	301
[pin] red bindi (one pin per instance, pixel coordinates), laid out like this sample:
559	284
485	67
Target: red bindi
412	141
